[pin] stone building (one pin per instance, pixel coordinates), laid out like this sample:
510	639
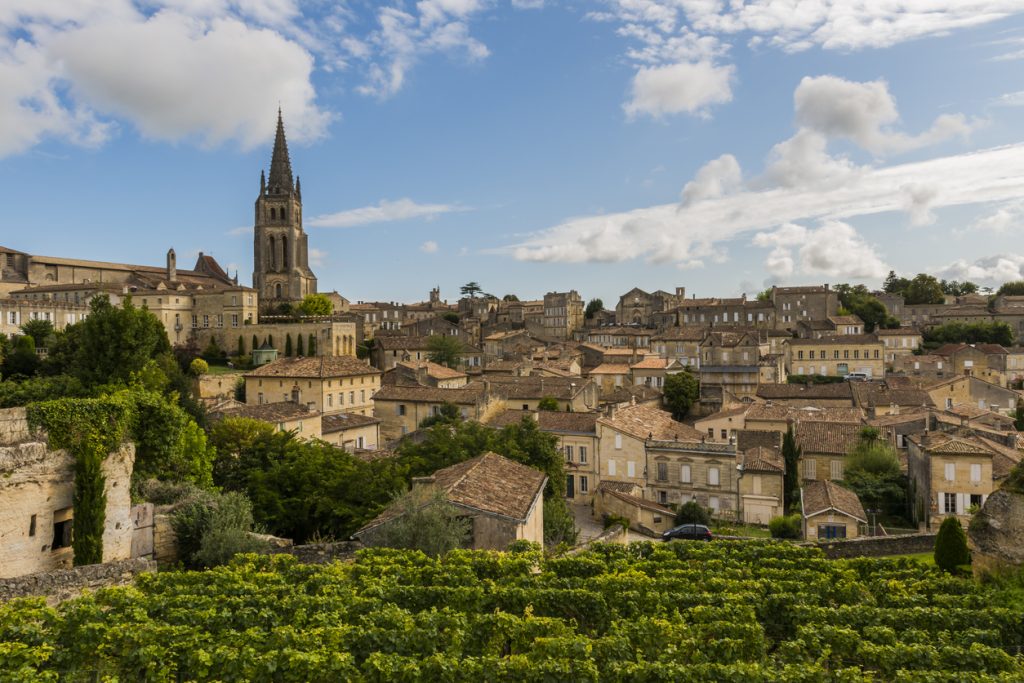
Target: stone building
280	247
836	356
563	314
686	468
351	431
329	384
760	471
830	511
637	307
36	491
796	304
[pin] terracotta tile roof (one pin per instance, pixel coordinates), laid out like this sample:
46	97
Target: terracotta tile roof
827	438
751	438
642	422
639	502
650	364
318	367
802	289
489	484
838	340
953	443
871	394
637	392
471	394
397	342
837	391
339	422
267	412
761	459
898	332
433	369
561	388
845	320
693	333
730	412
901	418
620	486
781	411
1004	458
611	369
549	420
823	495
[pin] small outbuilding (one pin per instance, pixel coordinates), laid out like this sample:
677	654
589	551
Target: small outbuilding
830	512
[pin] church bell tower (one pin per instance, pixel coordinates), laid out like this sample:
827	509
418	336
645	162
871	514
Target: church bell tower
280	247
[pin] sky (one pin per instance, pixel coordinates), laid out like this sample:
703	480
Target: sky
528	145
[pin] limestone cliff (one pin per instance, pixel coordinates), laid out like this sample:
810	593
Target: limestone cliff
996	533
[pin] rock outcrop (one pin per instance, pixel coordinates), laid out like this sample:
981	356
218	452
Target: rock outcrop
996	533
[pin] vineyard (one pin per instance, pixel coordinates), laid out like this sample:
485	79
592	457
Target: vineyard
683	611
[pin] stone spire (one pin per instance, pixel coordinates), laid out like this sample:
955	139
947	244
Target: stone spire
280	181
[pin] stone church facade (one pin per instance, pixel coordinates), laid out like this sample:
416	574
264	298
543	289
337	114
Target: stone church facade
281	270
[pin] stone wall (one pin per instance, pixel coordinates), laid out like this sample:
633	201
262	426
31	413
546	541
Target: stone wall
321	553
62	584
13	427
877	546
217	386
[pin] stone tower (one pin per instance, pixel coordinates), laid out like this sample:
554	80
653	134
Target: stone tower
280	249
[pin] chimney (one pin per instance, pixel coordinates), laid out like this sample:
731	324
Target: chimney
172	266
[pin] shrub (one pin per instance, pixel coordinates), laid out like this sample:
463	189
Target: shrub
199	367
951	545
692	512
613	520
785	527
212	528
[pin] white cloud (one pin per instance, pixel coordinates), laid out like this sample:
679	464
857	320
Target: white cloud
864	113
528	4
716	178
384	212
834	249
241	230
918	201
802	161
990	270
317	257
1010	99
669	232
429	247
679	88
1008	217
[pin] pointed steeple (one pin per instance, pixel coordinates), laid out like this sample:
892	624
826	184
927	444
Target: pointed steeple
263	183
298	187
280	181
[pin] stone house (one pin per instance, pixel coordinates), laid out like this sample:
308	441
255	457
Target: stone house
985	361
825	446
504	499
796	304
508	345
401	409
691	469
899	343
838	395
285	416
722	426
425	373
637	307
760	473
351	431
836	356
951	473
620	499
927	366
830	511
391	349
328	384
36	494
620	337
610	376
653	371
832	326
563	314
573	394
731	360
681	344
970	390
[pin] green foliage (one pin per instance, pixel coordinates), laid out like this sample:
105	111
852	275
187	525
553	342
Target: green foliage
594	306
198	367
452	317
681	391
951	545
40	330
470	289
692	512
1018	415
22	392
311	347
444	350
790	526
858	300
1014	288
110	344
240	351
299	347
549	403
923	289
446	413
426	522
752	611
364	349
956	288
168	442
510	297
970	333
212	528
814	379
791	480
288	345
23	361
765	295
615	520
255	342
316	304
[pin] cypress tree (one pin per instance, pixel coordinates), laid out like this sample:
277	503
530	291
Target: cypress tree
791	481
255	342
241	346
312	344
270	339
299	350
951	545
90	505
288	344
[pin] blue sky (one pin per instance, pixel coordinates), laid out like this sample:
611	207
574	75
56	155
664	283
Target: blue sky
528	145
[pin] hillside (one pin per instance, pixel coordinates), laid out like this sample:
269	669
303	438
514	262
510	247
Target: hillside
754	611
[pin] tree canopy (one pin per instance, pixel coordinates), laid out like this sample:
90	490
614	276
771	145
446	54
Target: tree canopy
857	300
470	289
923	289
681	391
444	350
970	333
316	304
872	471
1014	288
594	306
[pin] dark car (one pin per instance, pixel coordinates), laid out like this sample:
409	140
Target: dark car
691	532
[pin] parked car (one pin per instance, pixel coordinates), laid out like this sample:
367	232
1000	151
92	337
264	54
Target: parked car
692	532
857	377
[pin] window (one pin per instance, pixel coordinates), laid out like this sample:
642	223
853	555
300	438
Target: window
662	471
810	469
330	400
583	484
713	504
713	476
351	397
206	321
831	531
663	497
618	442
975	473
195	322
234	320
611	468
583	454
260	398
62	524
684	474
949	503
630	469
362	395
950	471
401	409
32	526
568	453
836	470
977	500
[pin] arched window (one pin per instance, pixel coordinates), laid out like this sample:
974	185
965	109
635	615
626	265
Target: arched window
284	248
284	214
273	213
277	290
273	253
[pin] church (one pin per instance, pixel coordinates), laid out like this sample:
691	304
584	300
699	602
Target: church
204	302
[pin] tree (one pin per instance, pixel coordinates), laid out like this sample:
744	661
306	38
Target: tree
300	346
452	317
40	331
970	333
198	367
23	361
470	289
692	512
444	350
681	391
895	284
211	528
426	521
316	304
229	438
255	342
510	297
788	526
311	348
594	306
765	295
288	345
446	413
1018	415
791	481
1014	288
241	346
111	343
923	289
872	471
951	549
549	403
857	300
955	288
